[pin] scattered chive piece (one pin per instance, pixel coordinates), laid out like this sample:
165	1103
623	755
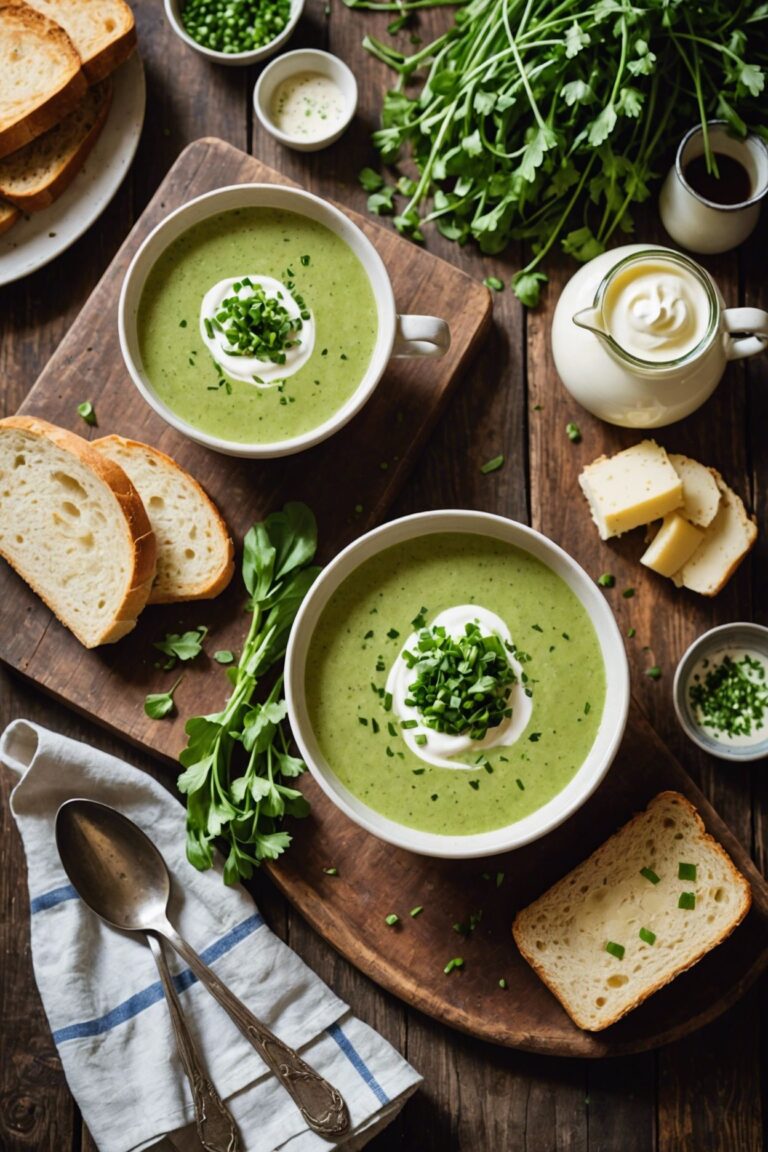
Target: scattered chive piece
393	634
331	871
391	728
587	708
686	871
654	673
492	465
606	580
87	412
182	323
535	737
628	593
368	635
503	983
573	432
520	784
409	723
304	260
499	879
537	627
392	919
687	901
647	936
494	283
650	875
375	726
616	950
417	911
418	771
474	784
631	633
362	720
224	656
456	962
387	701
421	741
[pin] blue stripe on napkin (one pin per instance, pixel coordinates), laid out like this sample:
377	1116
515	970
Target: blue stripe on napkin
154	992
52	898
356	1060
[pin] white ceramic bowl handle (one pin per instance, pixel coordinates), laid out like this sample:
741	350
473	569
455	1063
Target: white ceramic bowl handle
752	325
421	336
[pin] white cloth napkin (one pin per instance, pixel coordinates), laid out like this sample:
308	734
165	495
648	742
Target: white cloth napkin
104	1002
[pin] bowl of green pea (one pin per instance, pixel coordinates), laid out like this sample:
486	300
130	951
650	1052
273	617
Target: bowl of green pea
234	32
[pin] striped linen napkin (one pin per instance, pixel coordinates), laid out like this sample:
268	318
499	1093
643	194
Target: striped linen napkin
104	1001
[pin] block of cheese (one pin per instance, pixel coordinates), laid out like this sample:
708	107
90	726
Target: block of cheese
726	542
701	494
673	545
631	488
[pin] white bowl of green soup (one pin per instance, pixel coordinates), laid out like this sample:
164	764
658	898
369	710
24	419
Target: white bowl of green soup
258	319
456	683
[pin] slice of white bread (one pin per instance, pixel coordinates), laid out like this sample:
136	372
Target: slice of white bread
726	542
36	175
195	556
563	934
102	31
41	76
9	214
701	494
74	527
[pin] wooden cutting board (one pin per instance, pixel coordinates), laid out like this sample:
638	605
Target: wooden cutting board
362	467
349	480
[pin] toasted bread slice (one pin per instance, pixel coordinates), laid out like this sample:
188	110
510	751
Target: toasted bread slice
37	174
701	494
727	540
609	900
194	549
8	216
41	76
74	527
102	31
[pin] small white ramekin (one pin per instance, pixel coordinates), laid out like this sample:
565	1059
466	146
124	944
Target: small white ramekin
173	10
291	64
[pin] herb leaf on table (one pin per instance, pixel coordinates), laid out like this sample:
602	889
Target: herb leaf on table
236	760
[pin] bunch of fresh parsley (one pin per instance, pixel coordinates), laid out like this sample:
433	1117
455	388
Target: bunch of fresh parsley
544	120
237	760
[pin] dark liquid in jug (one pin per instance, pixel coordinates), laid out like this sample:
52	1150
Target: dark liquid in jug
733	186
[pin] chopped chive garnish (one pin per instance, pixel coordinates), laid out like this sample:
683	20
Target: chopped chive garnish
304	261
474	784
535	737
391	728
418	771
182	323
499	879
537	627
573	432
520	784
331	871
87	412
389	751
392	919
503	984
387	701
362	720
421	741
368	635
616	950
587	708
393	634
631	633
456	962
628	593
492	465
686	871
647	936
650	875
654	673
375	726
606	580
417	911
409	723
420	621
687	901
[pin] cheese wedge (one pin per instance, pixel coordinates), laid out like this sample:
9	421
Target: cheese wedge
673	545
726	542
701	494
631	488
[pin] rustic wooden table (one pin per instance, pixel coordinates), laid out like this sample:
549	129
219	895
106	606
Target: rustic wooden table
703	1094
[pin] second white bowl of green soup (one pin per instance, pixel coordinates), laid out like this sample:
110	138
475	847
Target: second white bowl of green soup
456	683
258	319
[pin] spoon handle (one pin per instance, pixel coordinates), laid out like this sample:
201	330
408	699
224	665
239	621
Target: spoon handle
321	1105
215	1126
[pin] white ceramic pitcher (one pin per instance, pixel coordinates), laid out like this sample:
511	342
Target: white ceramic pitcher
623	388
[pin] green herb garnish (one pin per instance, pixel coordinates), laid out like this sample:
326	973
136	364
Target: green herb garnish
606	580
647	936
456	962
87	412
417	911
616	950
628	593
331	871
732	699
573	433
650	875
653	673
159	704
687	901
503	984
181	646
686	871
235	759
494	283
255	324
224	656
492	465
392	919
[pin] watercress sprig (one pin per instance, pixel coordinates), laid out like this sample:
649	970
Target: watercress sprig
236	761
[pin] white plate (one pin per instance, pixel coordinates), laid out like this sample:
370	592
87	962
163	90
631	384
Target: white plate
35	240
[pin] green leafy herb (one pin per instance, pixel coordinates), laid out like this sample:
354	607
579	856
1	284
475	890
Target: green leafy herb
606	580
181	646
255	324
237	761
456	962
573	433
494	283
647	936
687	901
492	465
616	950
87	412
159	704
649	874
224	656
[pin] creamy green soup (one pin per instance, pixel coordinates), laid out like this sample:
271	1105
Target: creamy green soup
362	630
327	276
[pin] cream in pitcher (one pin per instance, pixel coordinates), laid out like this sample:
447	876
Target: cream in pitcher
641	336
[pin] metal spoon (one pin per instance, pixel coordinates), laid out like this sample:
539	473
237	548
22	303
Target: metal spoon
122	877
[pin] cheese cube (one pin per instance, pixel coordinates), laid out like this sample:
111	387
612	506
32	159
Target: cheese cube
631	488
701	495
673	545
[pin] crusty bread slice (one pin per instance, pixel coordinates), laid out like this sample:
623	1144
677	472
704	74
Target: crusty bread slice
102	31
41	77
563	934
36	175
726	542
9	214
195	556
701	494
74	527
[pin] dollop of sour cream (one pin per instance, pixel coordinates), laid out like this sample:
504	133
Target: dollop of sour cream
307	106
656	311
245	368
441	748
